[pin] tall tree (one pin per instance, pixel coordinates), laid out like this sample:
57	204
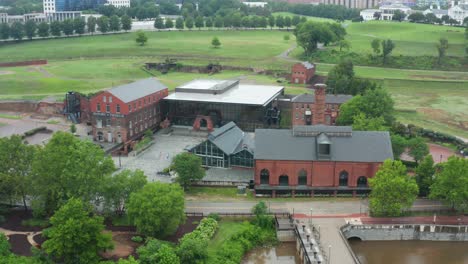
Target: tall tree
15	167
189	23
79	25
17	31
392	190
209	22
75	235
114	23
218	22
56	28
398	15
296	20
399	144
310	33
387	48
43	30
91	24
30	28
418	148
287	22
442	47
126	22
179	23
424	175
141	38
157	209
159	23
188	168
362	123
4	31
271	21
199	22
154	251
103	24
68	27
169	24
280	21
375	44
246	22
451	184
68	167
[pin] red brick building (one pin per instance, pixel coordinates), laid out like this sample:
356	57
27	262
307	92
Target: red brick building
317	108
302	72
317	160
125	112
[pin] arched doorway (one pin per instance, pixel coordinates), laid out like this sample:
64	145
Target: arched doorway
343	178
100	136
302	177
284	180
264	176
362	181
203	121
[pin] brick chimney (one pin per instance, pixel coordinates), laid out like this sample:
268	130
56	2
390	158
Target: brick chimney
319	105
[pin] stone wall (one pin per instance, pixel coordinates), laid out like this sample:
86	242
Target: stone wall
406	232
18	106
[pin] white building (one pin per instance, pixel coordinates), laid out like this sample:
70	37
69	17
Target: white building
119	3
255	4
387	11
439	13
458	12
3	18
368	14
49	6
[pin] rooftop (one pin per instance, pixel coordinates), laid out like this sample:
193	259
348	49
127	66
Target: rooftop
308	65
231	139
226	91
329	98
135	90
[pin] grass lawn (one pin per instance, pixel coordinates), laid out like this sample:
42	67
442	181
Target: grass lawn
7	116
225	231
289	14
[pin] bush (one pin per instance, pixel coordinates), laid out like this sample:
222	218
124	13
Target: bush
137	239
34	131
2	219
214	216
4	246
193	246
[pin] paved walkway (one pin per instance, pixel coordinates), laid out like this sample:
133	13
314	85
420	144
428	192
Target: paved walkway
30	235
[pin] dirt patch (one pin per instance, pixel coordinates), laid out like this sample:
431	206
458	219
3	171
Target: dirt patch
6	72
15	217
187	227
39	239
441	116
123	246
20	245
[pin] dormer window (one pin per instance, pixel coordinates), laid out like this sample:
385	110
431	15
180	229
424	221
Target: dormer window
323	146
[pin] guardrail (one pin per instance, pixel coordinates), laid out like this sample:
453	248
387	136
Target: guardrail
303	247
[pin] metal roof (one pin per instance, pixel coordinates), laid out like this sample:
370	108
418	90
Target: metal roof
362	146
231	139
308	65
245	94
135	90
329	98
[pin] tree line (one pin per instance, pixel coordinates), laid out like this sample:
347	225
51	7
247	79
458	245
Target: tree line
78	26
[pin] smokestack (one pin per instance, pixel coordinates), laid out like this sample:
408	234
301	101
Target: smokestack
319	105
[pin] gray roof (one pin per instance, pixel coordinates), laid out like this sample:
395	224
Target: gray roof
329	98
318	129
439	12
308	65
362	146
231	139
135	90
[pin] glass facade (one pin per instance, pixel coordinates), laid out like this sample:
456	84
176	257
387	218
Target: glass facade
212	156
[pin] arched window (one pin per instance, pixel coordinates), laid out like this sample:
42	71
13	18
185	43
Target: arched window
362	181
302	177
284	180
264	176
344	178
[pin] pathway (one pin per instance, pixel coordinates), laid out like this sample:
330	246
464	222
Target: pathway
285	54
30	235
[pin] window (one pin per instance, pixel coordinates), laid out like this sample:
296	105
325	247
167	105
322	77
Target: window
139	103
108	122
264	176
283	180
129	107
98	107
108	108
343	178
99	123
297	116
324	149
362	181
328	119
118	108
110	99
302	177
134	106
130	124
104	99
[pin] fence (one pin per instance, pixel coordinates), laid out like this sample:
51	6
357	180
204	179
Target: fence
282	214
220	183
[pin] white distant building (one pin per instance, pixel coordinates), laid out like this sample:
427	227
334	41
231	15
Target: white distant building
458	12
387	11
368	14
119	3
3	18
439	13
49	6
255	4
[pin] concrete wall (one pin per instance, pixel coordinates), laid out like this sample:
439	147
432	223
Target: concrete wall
406	232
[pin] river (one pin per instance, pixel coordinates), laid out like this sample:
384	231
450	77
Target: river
410	252
284	253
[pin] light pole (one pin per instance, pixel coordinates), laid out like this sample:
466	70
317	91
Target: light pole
311	220
329	254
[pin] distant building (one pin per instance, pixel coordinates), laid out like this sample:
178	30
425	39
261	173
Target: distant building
319	108
3	18
208	104
119	3
255	4
458	12
368	14
52	6
125	112
387	11
227	147
439	13
317	160
302	72
360	4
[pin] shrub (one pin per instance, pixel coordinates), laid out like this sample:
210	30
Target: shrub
214	216
4	246
2	219
137	239
193	246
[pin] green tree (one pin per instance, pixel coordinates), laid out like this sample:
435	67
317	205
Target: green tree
418	148
375	44
287	22
126	22
43	30
56	28
156	252
169	23
159	23
399	145
271	21
179	23
286	37
296	20
344	44
114	23
209	22
4	246
118	189
189	23
362	123
387	48
398	15
75	235
260	209
392	190
30	28
15	168
69	167
236	20
103	24
130	260
215	42
73	129
192	251
451	184
199	22
17	31
245	22
280	21
188	168
157	209
91	24
141	38
4	31
79	25
218	22
310	33
68	27
424	175
442	47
